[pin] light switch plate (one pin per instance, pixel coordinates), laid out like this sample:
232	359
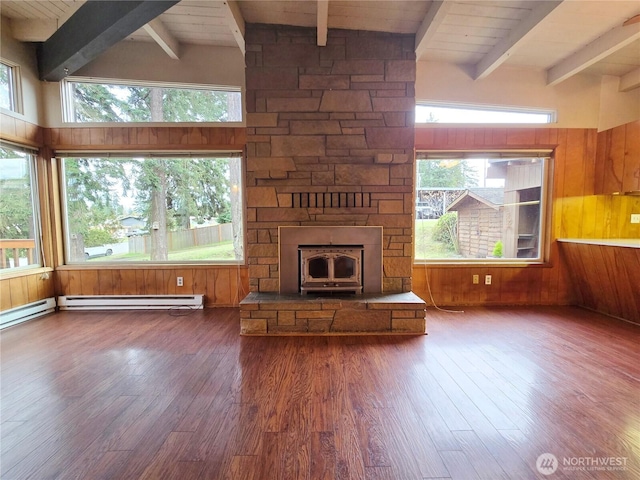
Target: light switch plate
635	218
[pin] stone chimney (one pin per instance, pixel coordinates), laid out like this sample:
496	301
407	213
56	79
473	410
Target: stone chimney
330	139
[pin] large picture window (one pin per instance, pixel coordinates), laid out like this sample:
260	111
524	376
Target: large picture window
19	226
153	208
487	206
87	101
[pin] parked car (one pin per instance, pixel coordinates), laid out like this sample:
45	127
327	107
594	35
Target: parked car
101	251
136	232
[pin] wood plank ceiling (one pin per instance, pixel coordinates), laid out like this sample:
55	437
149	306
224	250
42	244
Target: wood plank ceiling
563	37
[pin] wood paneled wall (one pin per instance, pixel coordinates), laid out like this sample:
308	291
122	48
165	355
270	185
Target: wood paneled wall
17	130
597	216
29	287
222	286
605	278
145	138
572	173
618	159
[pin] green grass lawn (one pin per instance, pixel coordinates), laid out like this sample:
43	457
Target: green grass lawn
218	251
426	246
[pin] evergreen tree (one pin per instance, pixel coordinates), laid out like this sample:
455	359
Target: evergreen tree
16	208
446	174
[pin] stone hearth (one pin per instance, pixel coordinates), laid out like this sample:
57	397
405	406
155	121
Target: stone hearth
279	314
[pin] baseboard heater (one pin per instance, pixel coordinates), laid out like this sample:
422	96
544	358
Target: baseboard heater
129	302
26	312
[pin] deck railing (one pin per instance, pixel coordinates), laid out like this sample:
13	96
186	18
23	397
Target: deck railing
10	250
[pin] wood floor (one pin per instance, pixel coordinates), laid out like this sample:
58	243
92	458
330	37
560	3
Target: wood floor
150	395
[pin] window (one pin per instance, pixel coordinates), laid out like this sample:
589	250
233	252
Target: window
91	101
480	205
447	113
153	208
19	228
9	87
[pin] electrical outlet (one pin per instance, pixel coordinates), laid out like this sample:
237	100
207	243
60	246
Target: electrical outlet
635	218
476	279
180	281
487	279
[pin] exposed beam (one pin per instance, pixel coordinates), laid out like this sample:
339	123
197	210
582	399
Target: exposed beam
509	44
432	20
323	22
95	27
600	48
163	37
236	22
630	81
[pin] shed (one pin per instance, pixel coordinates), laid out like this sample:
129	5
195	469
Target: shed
479	220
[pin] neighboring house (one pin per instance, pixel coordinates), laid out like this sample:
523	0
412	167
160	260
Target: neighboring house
480	212
132	225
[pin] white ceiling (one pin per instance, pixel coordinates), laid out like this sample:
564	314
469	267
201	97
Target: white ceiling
561	37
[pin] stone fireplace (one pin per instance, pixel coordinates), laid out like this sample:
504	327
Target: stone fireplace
330	138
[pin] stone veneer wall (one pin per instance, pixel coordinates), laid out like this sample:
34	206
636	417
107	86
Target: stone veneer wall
330	138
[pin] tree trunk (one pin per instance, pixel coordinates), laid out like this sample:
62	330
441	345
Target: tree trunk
158	210
235	177
234	108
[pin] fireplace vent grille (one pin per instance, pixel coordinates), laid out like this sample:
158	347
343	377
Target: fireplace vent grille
331	200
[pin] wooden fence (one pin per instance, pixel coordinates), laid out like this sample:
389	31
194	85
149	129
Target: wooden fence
183	239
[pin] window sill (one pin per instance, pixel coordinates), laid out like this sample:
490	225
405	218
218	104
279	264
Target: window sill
149	266
481	263
25	272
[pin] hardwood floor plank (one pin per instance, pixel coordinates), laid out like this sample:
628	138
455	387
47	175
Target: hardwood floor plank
323	456
459	465
484	464
163	463
131	395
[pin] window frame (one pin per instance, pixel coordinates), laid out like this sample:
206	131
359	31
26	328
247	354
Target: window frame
552	115
15	87
36	213
61	155
67	104
546	207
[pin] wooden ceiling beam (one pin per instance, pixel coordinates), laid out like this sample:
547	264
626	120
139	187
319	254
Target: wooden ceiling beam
95	27
236	22
509	44
430	23
163	37
600	48
323	22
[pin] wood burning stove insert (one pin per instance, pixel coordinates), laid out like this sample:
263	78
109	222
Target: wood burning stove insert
334	268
